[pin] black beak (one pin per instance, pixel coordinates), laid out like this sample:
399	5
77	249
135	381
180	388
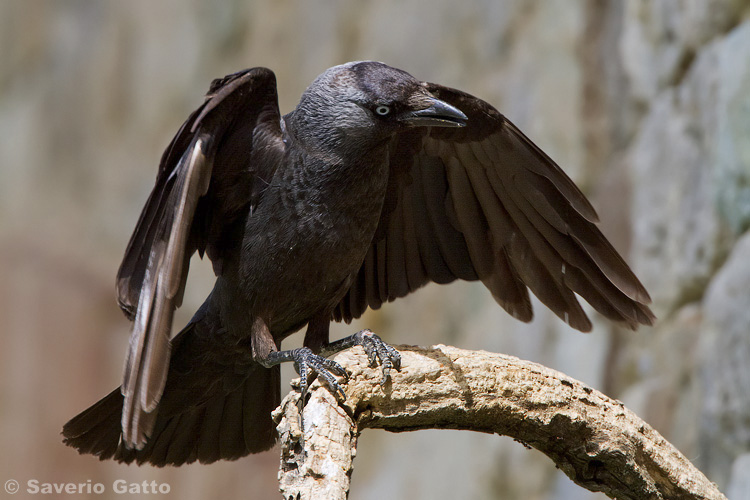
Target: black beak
438	114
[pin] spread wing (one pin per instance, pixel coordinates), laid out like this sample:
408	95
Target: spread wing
483	202
211	173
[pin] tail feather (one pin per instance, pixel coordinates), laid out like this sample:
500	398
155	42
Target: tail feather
216	406
226	427
97	430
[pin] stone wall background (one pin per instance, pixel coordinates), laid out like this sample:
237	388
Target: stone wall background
646	104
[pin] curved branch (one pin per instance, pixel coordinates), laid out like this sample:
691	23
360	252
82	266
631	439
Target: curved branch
595	440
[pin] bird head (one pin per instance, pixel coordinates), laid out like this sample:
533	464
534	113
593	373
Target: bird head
366	103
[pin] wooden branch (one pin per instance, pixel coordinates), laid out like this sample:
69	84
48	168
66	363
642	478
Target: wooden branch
595	440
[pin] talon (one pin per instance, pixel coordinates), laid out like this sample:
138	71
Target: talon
377	350
333	366
307	362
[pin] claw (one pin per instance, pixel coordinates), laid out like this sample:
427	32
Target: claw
306	361
377	350
308	364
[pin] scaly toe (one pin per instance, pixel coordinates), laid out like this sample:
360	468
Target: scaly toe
308	363
377	350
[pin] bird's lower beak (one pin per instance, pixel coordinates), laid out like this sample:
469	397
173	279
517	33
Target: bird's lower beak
438	114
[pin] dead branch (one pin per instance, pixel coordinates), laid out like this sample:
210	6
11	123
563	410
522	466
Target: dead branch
595	440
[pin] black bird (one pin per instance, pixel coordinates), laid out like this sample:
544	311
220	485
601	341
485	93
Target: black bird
375	185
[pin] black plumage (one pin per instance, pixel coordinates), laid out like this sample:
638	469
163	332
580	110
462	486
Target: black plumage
375	185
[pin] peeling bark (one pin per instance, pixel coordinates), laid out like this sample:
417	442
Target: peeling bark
595	440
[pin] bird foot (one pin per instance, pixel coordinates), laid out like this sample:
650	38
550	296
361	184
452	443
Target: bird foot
377	351
309	364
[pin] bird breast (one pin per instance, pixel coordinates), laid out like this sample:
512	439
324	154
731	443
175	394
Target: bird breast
313	212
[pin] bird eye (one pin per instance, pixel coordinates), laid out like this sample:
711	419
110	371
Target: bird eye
383	110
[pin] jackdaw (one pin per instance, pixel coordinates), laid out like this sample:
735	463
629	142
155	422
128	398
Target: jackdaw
375	185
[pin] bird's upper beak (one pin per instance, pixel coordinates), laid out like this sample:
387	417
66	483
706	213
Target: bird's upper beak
437	114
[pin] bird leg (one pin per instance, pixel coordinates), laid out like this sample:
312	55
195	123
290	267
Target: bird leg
308	363
312	359
376	350
265	352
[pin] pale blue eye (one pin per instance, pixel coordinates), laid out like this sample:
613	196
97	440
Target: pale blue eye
382	110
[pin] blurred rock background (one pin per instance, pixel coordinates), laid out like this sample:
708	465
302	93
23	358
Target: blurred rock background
646	104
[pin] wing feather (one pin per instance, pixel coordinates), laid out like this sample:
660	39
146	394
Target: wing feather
436	268
398	284
550	201
542	269
451	244
236	132
542	165
381	268
484	202
593	277
415	270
